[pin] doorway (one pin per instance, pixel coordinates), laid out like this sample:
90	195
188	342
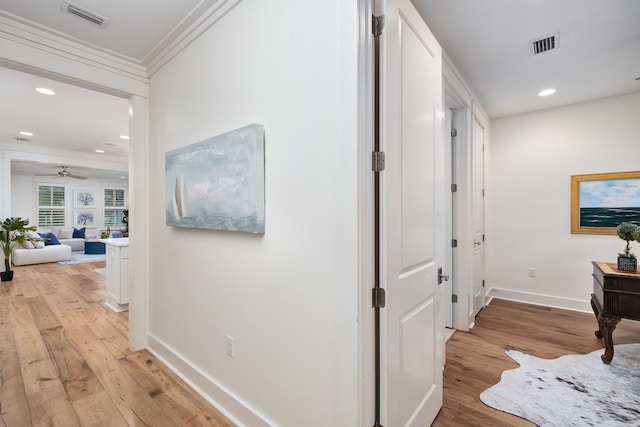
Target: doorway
132	90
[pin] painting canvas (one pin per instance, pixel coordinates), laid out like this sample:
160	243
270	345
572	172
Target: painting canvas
218	183
84	218
84	199
600	202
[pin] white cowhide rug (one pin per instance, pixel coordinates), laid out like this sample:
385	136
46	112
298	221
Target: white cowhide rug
573	390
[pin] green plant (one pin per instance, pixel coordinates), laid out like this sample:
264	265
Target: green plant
12	231
628	232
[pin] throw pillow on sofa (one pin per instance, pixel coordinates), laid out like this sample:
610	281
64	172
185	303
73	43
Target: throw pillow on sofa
49	239
79	233
32	240
65	233
37	240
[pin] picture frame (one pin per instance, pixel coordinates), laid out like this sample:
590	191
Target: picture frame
600	202
84	218
84	199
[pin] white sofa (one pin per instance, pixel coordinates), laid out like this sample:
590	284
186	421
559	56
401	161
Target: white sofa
29	254
64	235
50	253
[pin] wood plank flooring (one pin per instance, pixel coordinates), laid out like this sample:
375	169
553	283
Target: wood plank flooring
64	359
475	360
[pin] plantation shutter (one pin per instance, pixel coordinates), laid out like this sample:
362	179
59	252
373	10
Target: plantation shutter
51	205
114	204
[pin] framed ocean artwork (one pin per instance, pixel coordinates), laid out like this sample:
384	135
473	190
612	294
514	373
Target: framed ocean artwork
600	202
218	183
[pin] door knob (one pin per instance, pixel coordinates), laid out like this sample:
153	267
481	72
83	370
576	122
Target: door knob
442	277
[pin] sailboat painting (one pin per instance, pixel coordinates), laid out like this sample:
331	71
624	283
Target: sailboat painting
218	183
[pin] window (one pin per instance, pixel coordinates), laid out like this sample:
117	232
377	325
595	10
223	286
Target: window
51	206
113	206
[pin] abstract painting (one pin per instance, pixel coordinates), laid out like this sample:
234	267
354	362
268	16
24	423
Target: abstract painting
600	202
218	183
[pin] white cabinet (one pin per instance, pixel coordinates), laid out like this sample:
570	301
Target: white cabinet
117	273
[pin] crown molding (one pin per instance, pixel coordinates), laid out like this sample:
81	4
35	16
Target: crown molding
160	55
13	30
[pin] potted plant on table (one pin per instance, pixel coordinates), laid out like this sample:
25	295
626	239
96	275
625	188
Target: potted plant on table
12	232
628	232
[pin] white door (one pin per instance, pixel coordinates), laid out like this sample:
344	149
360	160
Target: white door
478	218
412	218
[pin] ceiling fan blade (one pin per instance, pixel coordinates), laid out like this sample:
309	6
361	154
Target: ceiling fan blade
50	176
78	177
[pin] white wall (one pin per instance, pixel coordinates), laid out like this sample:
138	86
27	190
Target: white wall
24	203
531	160
288	297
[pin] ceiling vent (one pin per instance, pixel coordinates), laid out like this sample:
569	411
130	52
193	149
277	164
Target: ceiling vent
85	14
544	44
18	138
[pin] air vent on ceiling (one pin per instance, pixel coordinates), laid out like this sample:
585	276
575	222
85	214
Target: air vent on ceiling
18	138
84	13
544	44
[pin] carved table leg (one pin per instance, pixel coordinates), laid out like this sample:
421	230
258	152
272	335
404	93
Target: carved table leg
598	333
607	326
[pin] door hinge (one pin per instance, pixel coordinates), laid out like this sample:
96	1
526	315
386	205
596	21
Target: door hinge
483	192
454	243
454	298
454	188
378	161
483	283
377	25
378	297
454	133
483	237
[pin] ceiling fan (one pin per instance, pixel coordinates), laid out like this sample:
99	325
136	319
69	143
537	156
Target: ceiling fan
64	173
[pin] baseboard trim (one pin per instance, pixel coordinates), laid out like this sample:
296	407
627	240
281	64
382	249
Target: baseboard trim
231	406
539	299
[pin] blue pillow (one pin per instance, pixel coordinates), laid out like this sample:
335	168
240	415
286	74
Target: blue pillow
79	233
49	239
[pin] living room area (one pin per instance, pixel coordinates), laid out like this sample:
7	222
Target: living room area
66	167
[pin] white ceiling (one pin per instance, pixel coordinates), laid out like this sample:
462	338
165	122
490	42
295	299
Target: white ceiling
488	40
598	53
136	30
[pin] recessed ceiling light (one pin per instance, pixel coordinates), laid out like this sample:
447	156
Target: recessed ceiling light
25	133
45	91
99	151
547	92
124	137
123	177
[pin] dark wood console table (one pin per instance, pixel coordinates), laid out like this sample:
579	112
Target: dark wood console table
616	296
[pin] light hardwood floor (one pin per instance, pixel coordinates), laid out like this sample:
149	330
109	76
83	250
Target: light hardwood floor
64	359
475	360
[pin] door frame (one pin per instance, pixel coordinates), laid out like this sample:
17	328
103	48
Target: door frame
128	83
458	97
366	374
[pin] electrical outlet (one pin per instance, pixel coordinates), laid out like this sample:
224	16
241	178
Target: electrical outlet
229	346
532	272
